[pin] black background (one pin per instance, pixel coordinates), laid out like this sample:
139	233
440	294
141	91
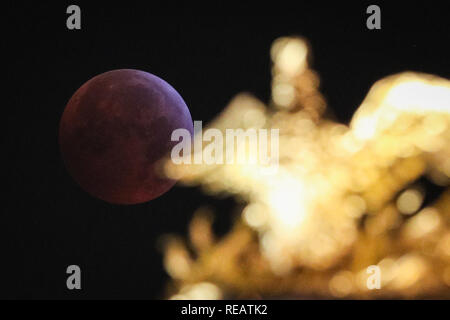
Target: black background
47	222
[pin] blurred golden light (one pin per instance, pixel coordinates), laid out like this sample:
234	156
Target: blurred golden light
413	268
446	276
283	94
289	55
341	285
340	201
286	202
200	291
425	222
409	201
255	215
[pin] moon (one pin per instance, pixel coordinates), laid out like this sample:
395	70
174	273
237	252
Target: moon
115	129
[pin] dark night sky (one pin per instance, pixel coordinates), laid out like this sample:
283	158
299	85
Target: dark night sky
48	222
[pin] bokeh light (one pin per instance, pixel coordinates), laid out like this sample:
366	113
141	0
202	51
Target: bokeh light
345	197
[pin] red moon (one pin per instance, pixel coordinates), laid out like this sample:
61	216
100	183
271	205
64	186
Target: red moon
114	130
